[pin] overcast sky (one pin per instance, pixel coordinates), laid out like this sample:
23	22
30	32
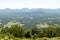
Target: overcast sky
18	4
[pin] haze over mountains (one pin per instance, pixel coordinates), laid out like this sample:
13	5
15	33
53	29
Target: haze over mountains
30	17
30	10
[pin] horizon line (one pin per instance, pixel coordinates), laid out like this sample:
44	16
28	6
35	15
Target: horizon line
29	8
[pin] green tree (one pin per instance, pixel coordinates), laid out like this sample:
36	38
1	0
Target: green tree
16	30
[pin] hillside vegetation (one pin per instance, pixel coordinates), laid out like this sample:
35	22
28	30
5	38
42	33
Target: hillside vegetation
17	32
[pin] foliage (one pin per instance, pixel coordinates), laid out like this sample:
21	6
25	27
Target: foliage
16	30
20	32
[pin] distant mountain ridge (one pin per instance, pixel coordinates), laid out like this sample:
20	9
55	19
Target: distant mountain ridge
26	10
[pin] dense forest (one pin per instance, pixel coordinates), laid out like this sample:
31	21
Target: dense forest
21	24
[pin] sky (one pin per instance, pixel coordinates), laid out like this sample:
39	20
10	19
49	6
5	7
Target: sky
18	4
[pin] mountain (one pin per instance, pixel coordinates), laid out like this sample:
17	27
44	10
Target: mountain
30	17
